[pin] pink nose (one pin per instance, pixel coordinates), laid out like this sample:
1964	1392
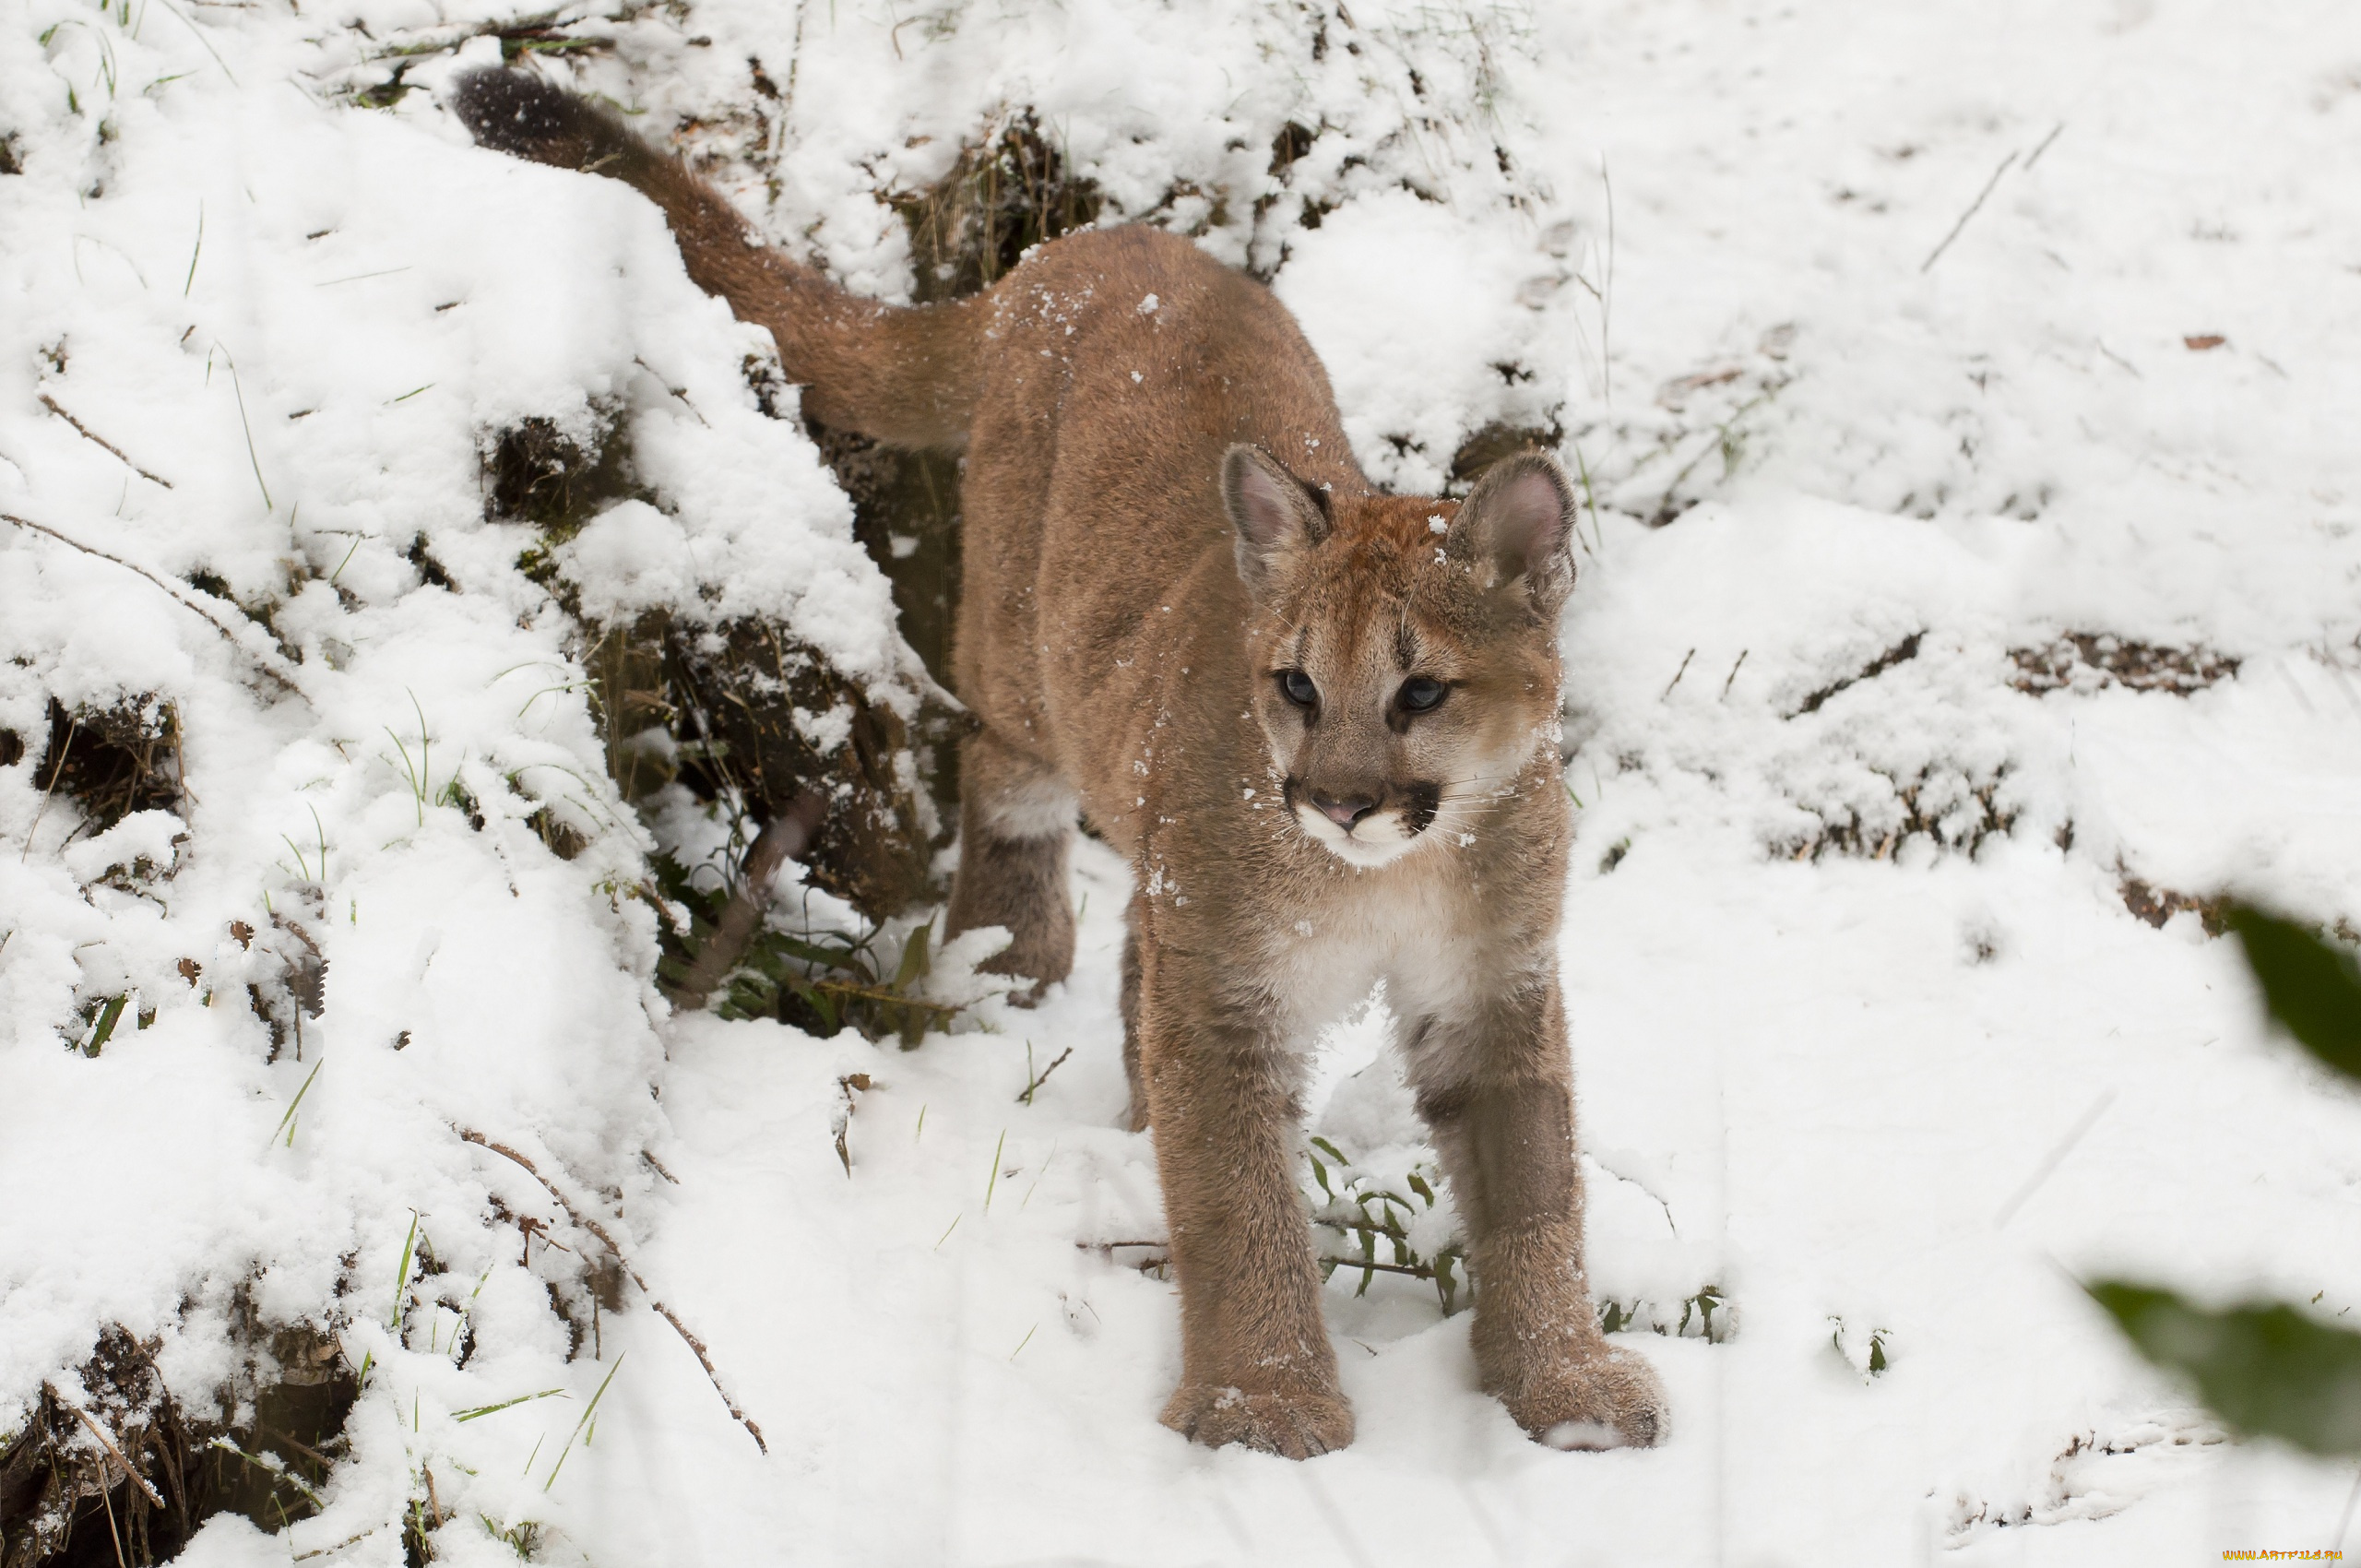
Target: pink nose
1345	813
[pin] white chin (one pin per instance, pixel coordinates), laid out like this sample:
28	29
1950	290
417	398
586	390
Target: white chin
1378	840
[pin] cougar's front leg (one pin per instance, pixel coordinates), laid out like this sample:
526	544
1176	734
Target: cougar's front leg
1497	1092
1016	818
1256	1367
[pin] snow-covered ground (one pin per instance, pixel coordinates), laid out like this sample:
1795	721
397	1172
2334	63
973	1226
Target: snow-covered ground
1934	336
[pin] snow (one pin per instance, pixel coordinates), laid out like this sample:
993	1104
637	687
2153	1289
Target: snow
1867	1040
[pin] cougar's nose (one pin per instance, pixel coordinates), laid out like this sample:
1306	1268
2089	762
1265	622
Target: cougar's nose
1347	812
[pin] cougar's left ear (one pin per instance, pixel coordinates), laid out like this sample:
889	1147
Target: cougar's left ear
1273	512
1519	522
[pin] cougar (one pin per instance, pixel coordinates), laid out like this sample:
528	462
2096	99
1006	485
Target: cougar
1320	723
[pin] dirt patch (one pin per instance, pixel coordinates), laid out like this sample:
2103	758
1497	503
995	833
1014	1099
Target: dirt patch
114	1469
1956	813
110	761
743	710
536	473
1010	190
764	718
2089	661
2157	905
906	514
1906	649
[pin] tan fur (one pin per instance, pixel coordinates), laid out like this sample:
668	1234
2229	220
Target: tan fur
1163	515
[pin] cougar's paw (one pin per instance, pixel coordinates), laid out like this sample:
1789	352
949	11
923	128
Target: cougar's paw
1040	970
1594	1397
1295	1426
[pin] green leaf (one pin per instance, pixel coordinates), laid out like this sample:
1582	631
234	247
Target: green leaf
2312	989
109	1016
813	953
916	961
2263	1369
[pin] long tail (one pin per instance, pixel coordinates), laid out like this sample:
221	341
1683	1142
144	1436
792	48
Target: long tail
906	376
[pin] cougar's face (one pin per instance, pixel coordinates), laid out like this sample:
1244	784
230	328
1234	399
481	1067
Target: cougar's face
1398	688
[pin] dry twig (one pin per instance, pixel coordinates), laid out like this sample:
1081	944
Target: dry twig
100	1433
261	662
696	1345
91	435
1933	256
1030	1088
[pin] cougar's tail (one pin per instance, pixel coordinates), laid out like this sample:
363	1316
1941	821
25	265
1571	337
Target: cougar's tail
906	376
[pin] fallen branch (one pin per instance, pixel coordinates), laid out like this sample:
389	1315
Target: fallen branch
232	637
783	838
1026	1098
91	435
99	1432
1677	674
1936	254
695	1345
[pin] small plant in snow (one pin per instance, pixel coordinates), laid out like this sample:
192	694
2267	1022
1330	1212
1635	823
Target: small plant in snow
1379	1231
822	981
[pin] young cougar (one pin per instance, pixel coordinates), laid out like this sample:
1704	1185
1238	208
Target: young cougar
1319	721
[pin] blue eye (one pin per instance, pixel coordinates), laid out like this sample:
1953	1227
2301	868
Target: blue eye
1297	688
1419	694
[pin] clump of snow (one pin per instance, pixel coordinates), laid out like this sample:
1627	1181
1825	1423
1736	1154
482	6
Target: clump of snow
1846	949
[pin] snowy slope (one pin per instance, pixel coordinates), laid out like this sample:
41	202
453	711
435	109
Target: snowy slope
1869	1044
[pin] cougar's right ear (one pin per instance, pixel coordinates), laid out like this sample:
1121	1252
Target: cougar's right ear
1273	512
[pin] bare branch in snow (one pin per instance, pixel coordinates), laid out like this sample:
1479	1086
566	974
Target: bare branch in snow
267	665
592	1226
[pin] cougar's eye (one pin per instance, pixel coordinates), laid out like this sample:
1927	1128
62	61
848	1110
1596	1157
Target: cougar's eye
1297	688
1419	694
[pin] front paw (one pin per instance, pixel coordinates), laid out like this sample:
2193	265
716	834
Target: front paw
1298	1425
1589	1395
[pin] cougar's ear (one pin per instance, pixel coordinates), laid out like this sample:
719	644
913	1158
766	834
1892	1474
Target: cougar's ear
1519	522
1272	511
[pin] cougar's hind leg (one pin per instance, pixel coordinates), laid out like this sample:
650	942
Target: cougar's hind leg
1137	1118
1016	818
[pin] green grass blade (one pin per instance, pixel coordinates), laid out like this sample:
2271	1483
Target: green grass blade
505	1403
287	1125
589	1411
401	1275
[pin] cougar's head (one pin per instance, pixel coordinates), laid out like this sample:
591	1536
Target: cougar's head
1403	651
